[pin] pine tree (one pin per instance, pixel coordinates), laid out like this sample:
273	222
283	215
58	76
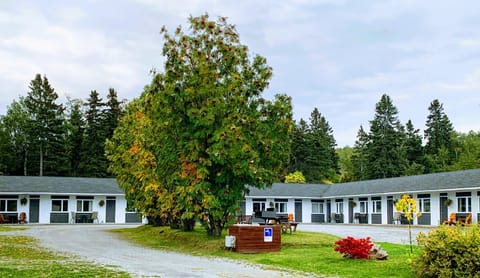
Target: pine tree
112	113
299	148
321	160
439	133
94	163
47	128
414	150
386	147
76	127
360	156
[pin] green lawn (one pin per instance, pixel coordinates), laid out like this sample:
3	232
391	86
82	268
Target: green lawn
301	251
21	256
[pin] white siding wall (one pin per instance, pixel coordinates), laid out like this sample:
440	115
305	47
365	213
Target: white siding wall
435	208
120	207
475	206
45	208
307	211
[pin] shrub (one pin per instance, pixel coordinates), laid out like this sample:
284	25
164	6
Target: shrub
354	248
449	252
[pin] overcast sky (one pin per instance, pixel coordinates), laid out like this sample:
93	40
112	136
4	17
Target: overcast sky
339	56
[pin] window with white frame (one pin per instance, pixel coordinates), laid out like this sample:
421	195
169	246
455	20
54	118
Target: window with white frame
317	207
84	204
281	205
376	205
339	205
464	202
363	206
59	203
8	204
424	203
259	204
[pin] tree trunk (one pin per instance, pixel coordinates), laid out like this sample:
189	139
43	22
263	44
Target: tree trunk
188	225
25	160
215	227
41	160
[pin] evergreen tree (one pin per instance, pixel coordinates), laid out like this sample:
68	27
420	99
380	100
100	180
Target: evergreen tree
439	133
386	147
299	148
414	150
15	125
47	128
345	163
93	160
113	112
360	157
76	127
321	160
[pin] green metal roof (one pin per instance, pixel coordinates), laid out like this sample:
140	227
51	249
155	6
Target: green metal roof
59	185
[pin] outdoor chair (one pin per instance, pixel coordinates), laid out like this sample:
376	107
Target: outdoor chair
356	218
397	217
22	218
290	217
94	217
333	216
2	219
452	220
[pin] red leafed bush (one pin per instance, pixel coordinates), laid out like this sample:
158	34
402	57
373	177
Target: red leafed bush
354	248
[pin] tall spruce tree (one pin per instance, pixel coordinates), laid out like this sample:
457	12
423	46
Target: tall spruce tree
112	113
299	148
360	159
414	150
94	162
47	128
439	147
321	160
386	147
76	127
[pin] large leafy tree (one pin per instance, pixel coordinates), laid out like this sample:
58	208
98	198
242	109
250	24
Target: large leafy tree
15	125
201	131
46	128
386	150
467	150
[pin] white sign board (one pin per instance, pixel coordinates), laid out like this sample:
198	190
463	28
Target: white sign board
267	234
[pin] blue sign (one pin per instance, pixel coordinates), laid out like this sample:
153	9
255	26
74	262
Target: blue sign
267	234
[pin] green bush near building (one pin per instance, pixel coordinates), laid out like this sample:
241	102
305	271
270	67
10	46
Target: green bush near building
449	251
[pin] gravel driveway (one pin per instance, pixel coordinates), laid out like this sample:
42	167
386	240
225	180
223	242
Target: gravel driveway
378	233
92	243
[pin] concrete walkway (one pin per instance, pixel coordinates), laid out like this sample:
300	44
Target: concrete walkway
378	233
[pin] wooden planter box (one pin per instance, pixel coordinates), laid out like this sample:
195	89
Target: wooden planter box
251	238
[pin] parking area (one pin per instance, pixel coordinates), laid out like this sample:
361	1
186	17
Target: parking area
378	233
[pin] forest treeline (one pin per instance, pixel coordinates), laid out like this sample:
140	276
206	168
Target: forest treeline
385	149
39	136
